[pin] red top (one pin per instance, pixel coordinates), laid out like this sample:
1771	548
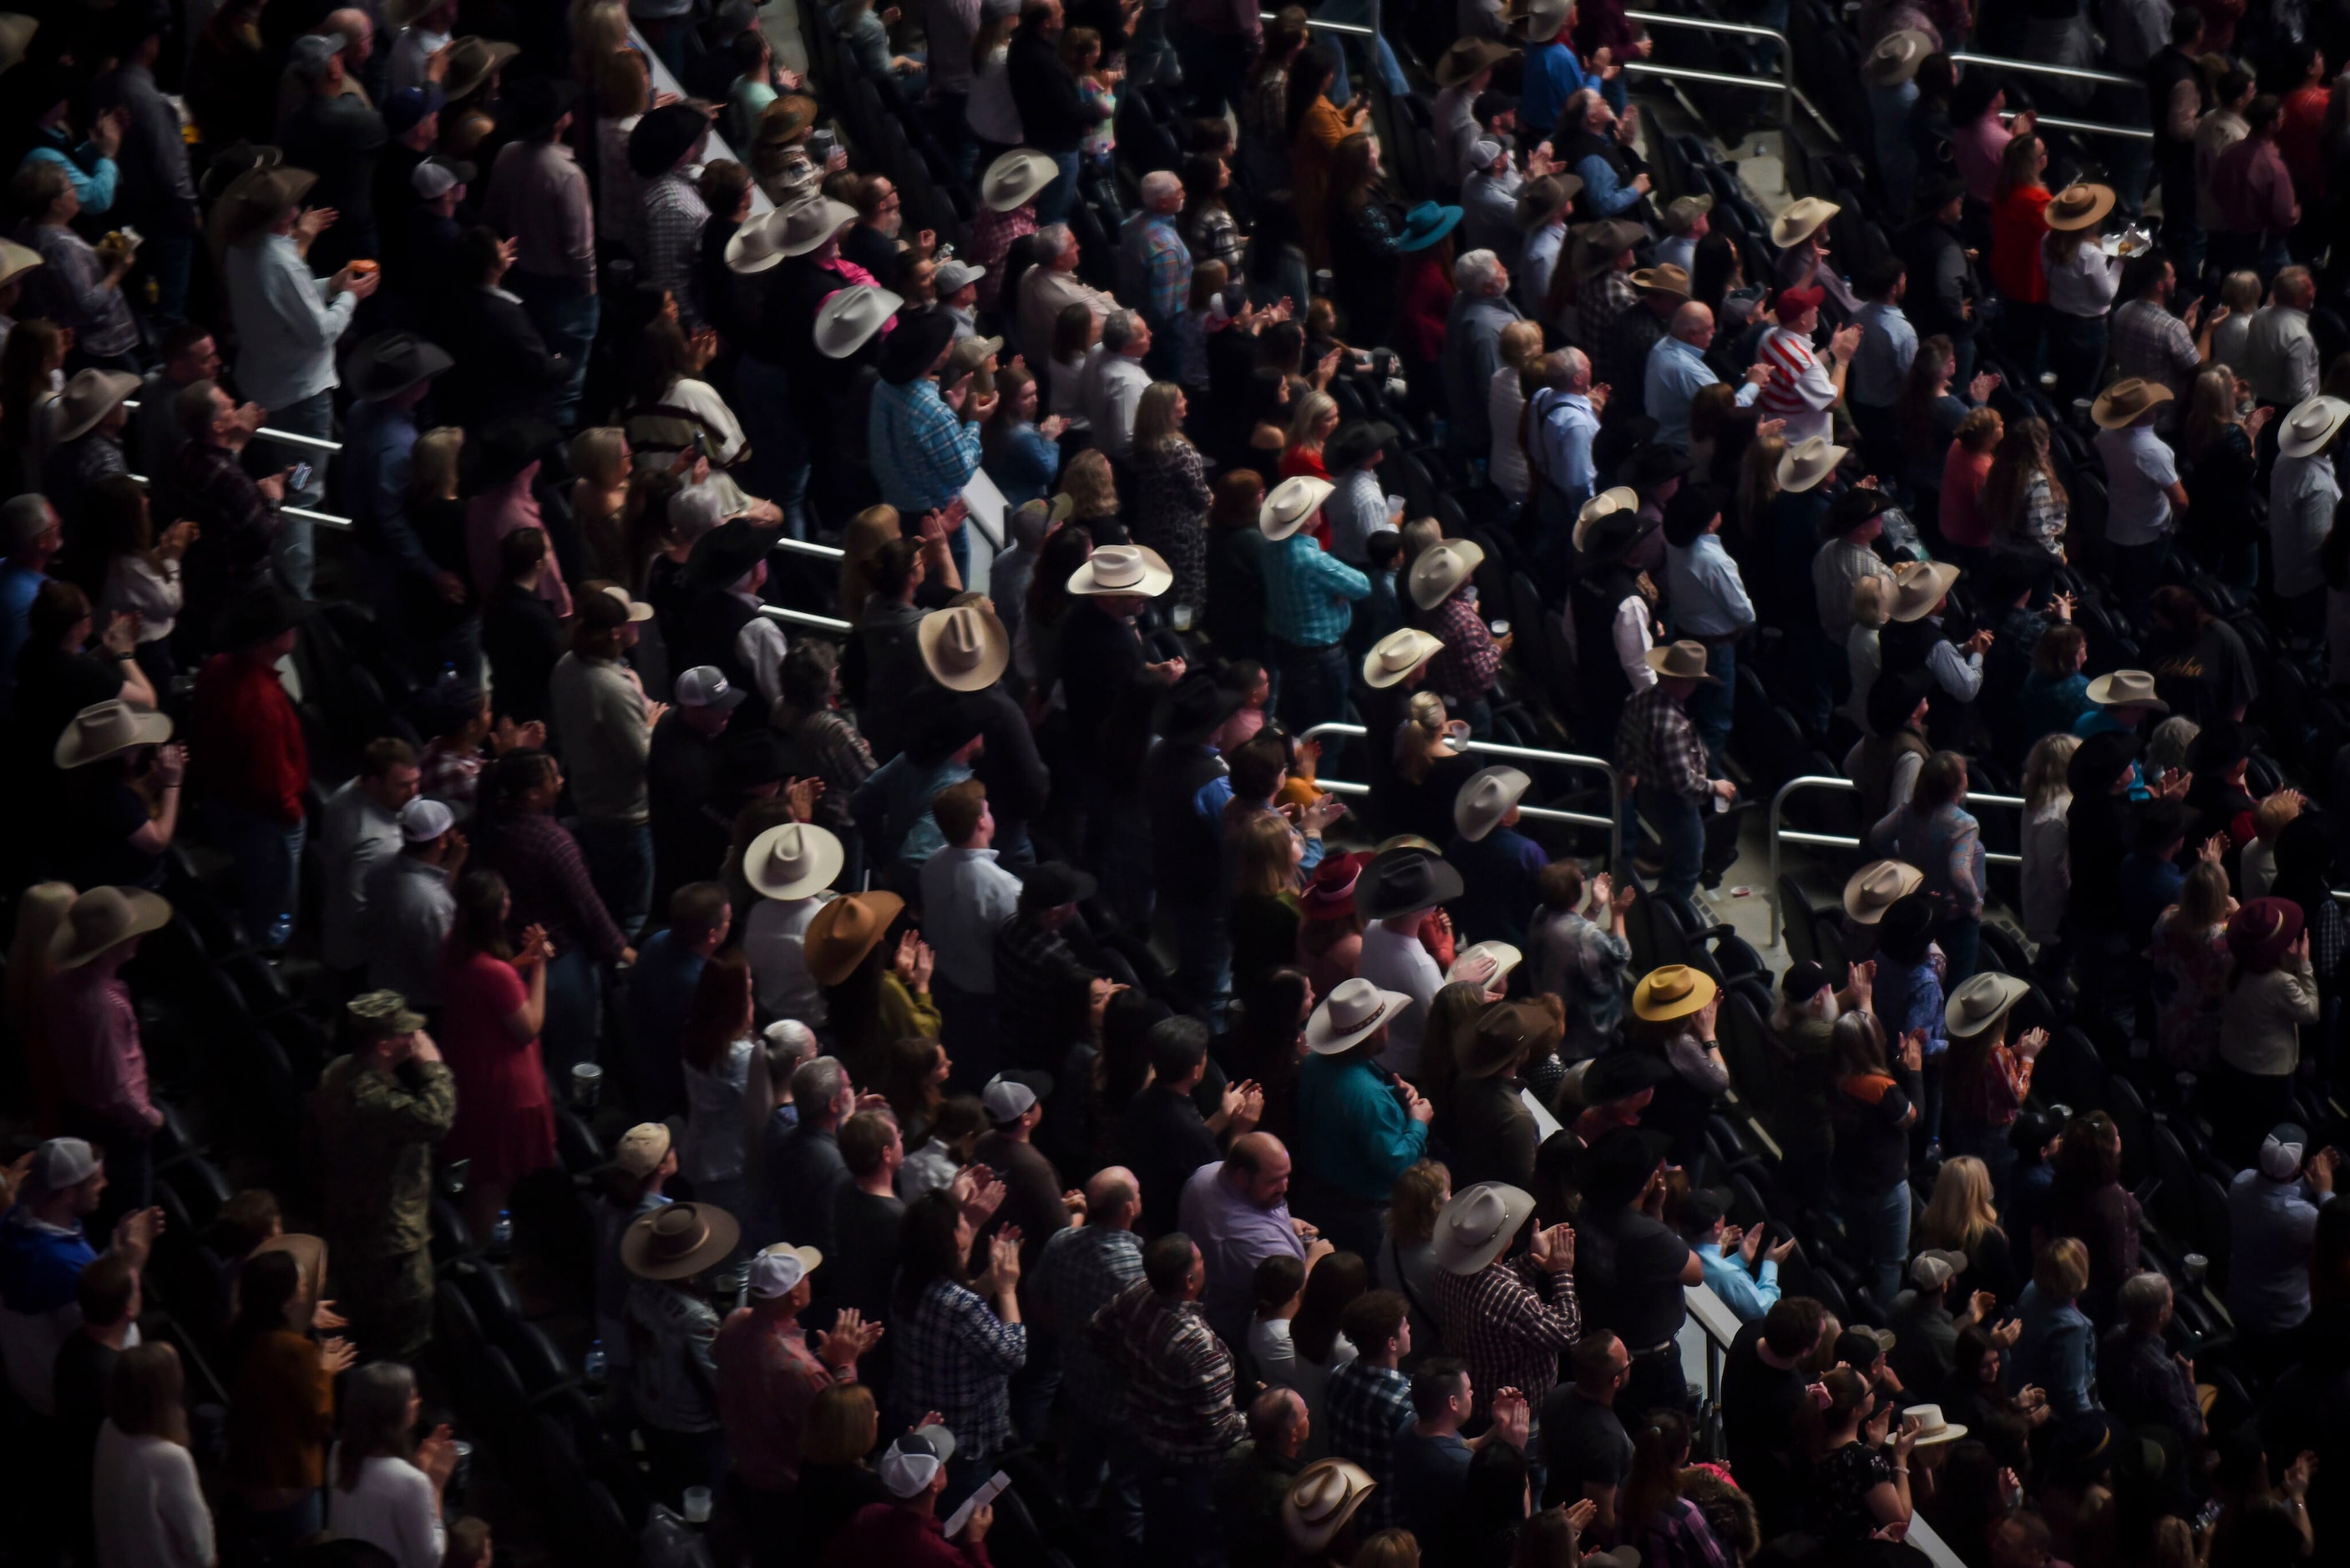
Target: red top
1425	292
885	1532
1962	517
506	1117
2016	225
247	743
1297	462
2301	134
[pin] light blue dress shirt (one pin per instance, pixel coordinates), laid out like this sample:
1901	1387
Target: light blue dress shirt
1562	428
1676	374
1707	594
1747	1295
287	322
1881	363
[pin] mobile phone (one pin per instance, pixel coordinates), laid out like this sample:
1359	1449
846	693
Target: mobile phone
300	478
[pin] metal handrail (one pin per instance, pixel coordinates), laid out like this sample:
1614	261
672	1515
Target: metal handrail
806	618
1784	86
1351	29
323	519
2072	73
810	547
288	437
2091	127
1838	841
1612	822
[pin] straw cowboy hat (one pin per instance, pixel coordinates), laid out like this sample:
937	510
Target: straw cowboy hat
677	1240
851	315
1982	1003
1015	178
103	919
757	245
1665	280
1321	1501
1683	660
1478	1223
1466	57
1115	570
2127	401
1803	465
803	225
1350	1014
1919	587
1404	882
965	649
88	398
2080	206
1931	1428
785	117
1872	889
1439	571
17	260
1545	18
2127	688
1801	221
1395	656
1490	794
1292	505
2311	425
108	728
844	931
1896	57
1609	502
1469	965
792	860
1675	991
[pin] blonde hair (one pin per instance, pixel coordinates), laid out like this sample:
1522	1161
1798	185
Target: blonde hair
2241	292
433	463
1416	740
1868	606
595	455
1421	534
1960	1212
1305	411
1156	427
2046	768
842	1425
2211	408
1088	483
2268	819
1522	345
1266	843
40	911
1757	480
1388	1548
866	534
2063	1270
1412	1207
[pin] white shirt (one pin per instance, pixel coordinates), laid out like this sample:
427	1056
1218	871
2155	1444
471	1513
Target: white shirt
1506	465
966	900
392	1507
2138	472
991	114
411	55
2047	869
1359	509
1800	390
1114	386
700	399
761	646
357	836
153	591
775	939
288	323
149	1509
2084	285
1537	262
1400	963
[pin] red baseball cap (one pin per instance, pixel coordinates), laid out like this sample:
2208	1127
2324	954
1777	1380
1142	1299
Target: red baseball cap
1796	301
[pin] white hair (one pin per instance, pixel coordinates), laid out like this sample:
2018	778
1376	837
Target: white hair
1055	238
1159	184
1117	329
695	511
1476	272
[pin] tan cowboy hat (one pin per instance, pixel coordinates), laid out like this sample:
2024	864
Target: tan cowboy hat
851	315
1116	569
1606	504
472	62
1872	889
757	245
1931	1426
1478	1223
2127	688
17	260
2082	206
1397	655
2306	431
1682	213
1489	795
965	649
1604	241
88	398
1321	1501
2127	401
792	860
1545	18
1664	279
108	728
1804	464
1348	1015
1801	221
803	225
1896	57
1917	588
1467	962
1676	990
1466	57
1982	1002
1292	505
103	919
270	191
677	1240
1015	178
1683	660
844	931
1443	569
16	31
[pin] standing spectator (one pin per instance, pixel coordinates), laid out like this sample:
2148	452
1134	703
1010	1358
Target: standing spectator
1802	390
1473	345
236	516
2254	192
1081	1270
1173	477
1659	748
410	906
1466	673
768	1375
2144	498
251	760
2138	1378
150	1506
1114	381
1053	113
2148	342
94	1034
959	1343
539	195
603	723
665	230
356	833
155	193
44	1250
78	287
1768	1410
2273	1210
673	1331
1500	867
1432	1462
2303	493
924	452
1308	593
1237	1212
1361	1134
1508	1317
339	136
494	994
1729	1255
282	1407
2280	356
1369	1401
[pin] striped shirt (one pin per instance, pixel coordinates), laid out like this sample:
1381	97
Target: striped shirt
1800	391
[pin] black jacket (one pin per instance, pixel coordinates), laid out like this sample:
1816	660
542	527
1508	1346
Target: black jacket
1045	91
503	365
1941	280
523	641
339	139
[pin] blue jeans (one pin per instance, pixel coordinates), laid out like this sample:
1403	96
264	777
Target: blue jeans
1313	684
1961	938
1680	838
1204	957
1710	705
294	549
620	862
567	320
168	256
1357	13
779	450
1053	203
268	858
1100	1461
1879	1222
574	1016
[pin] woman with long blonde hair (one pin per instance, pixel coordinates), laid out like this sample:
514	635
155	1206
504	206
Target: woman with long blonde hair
1962	1216
602	501
1758	483
1265	914
1092	490
1170	482
860	542
2216	458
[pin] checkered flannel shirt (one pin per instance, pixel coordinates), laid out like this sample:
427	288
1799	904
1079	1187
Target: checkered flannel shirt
1082	1269
1657	741
1508	1327
1369	1408
958	1358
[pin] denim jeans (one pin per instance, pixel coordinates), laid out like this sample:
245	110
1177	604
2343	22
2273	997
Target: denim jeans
1880	1223
567	320
1680	838
1179	1517
1053	203
168	257
1313	684
1357	13
1215	67
1961	938
574	1016
268	858
1101	1461
296	549
1710	705
779	448
620	862
2139	567
1204	957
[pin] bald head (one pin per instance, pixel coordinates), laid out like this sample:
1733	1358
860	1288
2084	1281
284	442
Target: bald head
1277	1420
1113	1198
357	31
1693	324
1258	1166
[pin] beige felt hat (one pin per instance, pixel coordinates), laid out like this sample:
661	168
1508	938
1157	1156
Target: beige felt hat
965	648
1803	465
17	260
1325	1495
1397	655
88	398
108	728
792	860
1682	661
678	1241
1349	1013
1982	1002
1896	57
1487	797
1015	178
1801	221
1872	889
1442	569
1292	505
1606	504
1917	588
103	919
2081	206
1116	569
2127	401
1477	1224
2127	688
2305	431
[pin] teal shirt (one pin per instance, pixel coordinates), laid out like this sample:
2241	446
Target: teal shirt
1358	1137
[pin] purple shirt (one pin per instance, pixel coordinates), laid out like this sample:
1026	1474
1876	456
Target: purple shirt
1233	1236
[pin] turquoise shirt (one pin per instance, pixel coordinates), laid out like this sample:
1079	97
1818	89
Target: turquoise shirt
1358	1137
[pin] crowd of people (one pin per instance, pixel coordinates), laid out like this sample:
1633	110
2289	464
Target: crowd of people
1022	1113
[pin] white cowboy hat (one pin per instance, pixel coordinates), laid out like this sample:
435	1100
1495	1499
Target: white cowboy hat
1465	964
1486	798
2127	688
756	245
1896	57
17	260
1801	221
850	317
108	729
1545	18
1478	1223
1397	655
965	648
1931	1428
1114	569
1606	504
104	918
1292	505
803	225
1015	178
2311	425
1443	569
1982	1003
88	398
1872	889
1806	463
1321	1500
792	860
1917	588
1348	1015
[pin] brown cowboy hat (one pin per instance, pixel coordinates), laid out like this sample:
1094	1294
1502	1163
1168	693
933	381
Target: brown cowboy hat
2127	401
677	1240
1665	279
1466	57
103	919
2080	206
844	931
1683	660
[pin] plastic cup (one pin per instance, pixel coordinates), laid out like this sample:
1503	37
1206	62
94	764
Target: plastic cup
697	1505
586	1085
2197	1265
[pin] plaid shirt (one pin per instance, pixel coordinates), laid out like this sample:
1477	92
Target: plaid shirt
1082	1269
1368	1407
236	520
667	241
1179	1388
1307	591
1155	265
1582	962
1040	993
2149	341
2041	521
549	879
450	777
992	233
957	1358
1599	299
923	454
1656	740
1499	1321
827	745
1464	671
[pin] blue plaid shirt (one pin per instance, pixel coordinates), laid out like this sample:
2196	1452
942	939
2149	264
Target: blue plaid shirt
1155	265
1369	1408
1082	1269
958	1358
922	453
1307	591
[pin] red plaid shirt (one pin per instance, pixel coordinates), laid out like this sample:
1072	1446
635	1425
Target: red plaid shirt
1465	670
1509	1321
992	233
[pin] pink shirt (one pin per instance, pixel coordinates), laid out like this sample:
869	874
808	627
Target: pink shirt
94	1034
767	1381
494	514
1961	514
1977	147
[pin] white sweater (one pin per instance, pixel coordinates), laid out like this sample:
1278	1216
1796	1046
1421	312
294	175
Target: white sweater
392	1507
151	1511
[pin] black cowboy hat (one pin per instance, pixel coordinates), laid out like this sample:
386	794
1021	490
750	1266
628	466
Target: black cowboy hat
503	449
909	352
662	137
1197	705
1619	1075
389	363
530	107
1616	532
259	616
1355	441
722	557
1851	509
1402	880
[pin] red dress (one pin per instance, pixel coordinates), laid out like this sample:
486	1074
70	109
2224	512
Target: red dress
506	1117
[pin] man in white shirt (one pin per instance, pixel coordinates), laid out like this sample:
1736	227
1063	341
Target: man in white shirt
425	27
360	830
1394	893
1361	506
2280	356
2215	133
790	867
1802	389
966	900
1542	214
2143	496
1116	380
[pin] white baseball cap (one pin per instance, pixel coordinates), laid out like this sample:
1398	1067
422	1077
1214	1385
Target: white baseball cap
62	1162
2282	1150
777	1270
915	1459
706	686
423	820
436	177
1009	1095
952	277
